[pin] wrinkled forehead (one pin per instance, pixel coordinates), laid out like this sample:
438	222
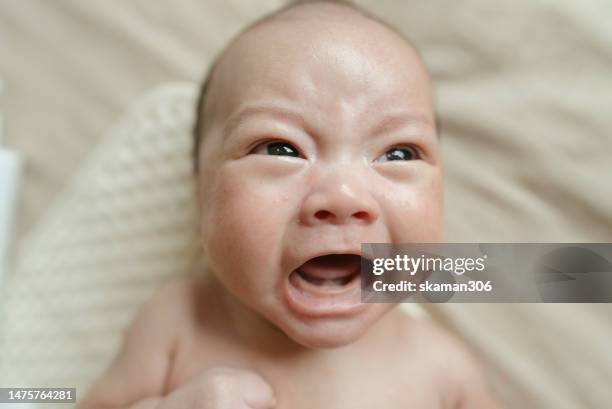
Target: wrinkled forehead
323	63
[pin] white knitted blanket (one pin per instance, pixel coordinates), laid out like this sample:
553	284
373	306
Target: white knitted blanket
125	222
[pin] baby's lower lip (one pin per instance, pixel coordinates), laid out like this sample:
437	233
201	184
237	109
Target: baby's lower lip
316	300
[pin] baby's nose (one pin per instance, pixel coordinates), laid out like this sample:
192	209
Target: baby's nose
340	199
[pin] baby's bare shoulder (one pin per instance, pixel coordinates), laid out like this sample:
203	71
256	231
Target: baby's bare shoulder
174	301
428	337
161	317
141	368
172	293
424	334
454	364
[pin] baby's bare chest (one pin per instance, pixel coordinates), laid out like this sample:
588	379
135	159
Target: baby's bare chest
359	391
363	382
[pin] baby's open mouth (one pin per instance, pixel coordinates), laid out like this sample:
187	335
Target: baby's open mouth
334	270
327	285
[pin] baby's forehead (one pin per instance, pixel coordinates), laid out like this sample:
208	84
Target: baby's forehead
300	52
334	22
319	54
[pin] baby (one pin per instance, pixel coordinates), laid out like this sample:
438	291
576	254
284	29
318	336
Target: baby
316	132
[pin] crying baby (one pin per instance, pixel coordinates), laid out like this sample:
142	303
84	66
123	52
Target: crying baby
315	133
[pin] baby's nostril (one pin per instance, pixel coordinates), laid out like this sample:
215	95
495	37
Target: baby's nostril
322	214
361	215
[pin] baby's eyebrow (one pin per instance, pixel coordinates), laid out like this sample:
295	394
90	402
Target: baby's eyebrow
388	123
253	110
394	121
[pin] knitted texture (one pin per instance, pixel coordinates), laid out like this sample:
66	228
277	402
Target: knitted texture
125	223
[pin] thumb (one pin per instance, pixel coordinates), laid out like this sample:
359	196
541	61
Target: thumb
256	392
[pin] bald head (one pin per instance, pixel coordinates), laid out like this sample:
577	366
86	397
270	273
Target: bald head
349	43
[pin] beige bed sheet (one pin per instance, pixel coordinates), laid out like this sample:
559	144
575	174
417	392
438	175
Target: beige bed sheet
524	95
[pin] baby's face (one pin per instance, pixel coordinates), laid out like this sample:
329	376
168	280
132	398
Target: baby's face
321	138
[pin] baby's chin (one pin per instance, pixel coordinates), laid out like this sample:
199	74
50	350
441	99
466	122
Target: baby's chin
326	339
333	332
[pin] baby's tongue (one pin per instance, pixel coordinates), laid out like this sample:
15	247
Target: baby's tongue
332	266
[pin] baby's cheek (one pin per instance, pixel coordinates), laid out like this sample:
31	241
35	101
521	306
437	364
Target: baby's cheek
415	213
244	228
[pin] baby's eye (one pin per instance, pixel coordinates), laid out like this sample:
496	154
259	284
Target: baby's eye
276	148
399	153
